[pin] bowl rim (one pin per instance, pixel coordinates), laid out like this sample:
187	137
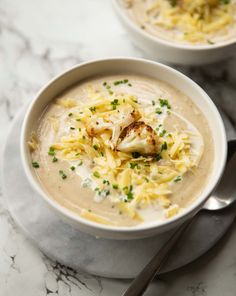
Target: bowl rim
110	228
175	45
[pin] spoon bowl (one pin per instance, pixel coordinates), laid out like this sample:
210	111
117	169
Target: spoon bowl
222	197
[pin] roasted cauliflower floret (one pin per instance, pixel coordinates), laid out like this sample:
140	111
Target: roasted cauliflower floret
138	137
115	121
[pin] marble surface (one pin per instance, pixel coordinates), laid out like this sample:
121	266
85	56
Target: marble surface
38	39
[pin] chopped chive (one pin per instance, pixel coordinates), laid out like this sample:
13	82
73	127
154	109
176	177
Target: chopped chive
177	179
78	119
114	104
72	168
96	174
115	186
162	133
95	146
164	102
63	175
158	111
104	83
70	114
164	146
55	159
106	182
158	157
51	151
80	163
130	195
92	109
35	164
210	42
117	82
72	128
133	165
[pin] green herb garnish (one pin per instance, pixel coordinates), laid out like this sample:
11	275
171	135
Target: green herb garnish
133	165
35	164
177	179
225	1
96	174
162	133
63	175
106	182
158	111
114	104
92	109
210	42
51	151
164	102
117	82
55	159
158	157
130	195
164	146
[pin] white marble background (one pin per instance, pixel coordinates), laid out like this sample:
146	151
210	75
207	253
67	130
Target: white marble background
38	39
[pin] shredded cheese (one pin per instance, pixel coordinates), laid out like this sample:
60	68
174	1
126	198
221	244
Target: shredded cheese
131	180
193	21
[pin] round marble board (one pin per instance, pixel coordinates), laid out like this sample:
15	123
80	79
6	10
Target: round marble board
108	258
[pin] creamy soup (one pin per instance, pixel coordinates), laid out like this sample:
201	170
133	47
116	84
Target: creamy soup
185	21
122	150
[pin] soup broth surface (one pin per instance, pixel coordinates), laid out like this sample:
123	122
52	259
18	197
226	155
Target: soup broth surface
122	150
185	21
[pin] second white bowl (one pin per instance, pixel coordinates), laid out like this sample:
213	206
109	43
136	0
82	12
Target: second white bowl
172	52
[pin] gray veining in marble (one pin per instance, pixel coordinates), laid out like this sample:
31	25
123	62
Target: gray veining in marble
38	39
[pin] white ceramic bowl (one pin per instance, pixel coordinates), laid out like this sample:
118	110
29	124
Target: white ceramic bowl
135	66
173	52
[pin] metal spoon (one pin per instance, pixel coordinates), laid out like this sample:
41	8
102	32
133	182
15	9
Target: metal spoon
221	198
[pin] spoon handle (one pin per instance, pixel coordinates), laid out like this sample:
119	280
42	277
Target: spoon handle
141	282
